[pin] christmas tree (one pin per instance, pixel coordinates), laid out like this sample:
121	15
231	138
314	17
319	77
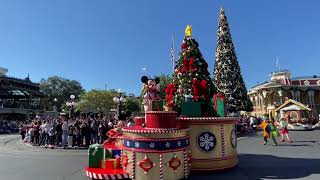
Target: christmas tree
191	78
227	75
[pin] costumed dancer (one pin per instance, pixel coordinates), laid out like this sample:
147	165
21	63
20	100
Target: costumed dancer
114	133
273	132
284	130
269	131
150	92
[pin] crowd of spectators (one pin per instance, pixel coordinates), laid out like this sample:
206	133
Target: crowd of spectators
67	133
8	126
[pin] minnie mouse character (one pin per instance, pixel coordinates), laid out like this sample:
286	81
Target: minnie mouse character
150	92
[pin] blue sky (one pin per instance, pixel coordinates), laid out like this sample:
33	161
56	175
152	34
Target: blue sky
101	42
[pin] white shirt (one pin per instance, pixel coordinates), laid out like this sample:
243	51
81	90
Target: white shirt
65	126
47	127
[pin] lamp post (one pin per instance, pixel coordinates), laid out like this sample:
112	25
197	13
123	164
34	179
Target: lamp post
55	100
119	99
71	104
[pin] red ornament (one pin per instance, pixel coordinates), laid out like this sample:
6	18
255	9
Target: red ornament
174	163
199	89
125	161
191	64
204	88
184	46
171	88
185	66
146	164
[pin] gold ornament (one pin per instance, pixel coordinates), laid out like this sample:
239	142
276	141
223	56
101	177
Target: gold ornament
188	31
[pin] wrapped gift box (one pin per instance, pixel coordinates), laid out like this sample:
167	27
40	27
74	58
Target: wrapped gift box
191	109
96	154
107	154
219	104
115	152
157	105
110	163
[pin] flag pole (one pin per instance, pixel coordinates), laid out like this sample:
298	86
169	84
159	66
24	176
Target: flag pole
173	53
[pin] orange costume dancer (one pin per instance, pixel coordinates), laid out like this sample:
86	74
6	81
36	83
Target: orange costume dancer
268	131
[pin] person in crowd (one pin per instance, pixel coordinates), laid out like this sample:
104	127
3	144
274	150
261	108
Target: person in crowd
36	133
32	132
70	136
52	135
42	134
85	134
94	132
58	132
77	136
22	131
65	133
27	139
102	131
48	125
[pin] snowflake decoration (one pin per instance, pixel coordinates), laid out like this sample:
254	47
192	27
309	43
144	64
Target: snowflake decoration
179	144
136	144
128	143
187	141
167	144
206	141
152	145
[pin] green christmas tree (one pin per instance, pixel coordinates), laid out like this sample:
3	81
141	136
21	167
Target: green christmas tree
191	78
227	74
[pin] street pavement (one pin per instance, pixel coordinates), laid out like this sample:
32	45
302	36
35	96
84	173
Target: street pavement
299	160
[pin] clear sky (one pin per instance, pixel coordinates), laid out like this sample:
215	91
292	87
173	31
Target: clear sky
108	42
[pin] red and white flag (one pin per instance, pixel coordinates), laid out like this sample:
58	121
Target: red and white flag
172	52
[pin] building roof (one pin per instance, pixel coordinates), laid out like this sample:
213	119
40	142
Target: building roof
305	77
25	81
293	102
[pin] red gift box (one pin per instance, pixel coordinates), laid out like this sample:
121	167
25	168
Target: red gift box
138	121
161	119
111	163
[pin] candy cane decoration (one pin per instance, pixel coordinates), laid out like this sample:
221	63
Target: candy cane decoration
185	163
223	142
161	166
133	176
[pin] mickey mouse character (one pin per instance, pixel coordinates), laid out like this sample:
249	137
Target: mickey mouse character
150	92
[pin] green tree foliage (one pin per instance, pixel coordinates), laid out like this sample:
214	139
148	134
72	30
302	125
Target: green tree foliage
191	76
102	102
132	106
164	81
227	73
60	88
98	100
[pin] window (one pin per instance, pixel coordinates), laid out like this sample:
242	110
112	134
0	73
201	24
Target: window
293	115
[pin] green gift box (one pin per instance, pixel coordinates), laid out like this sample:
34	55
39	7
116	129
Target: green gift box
157	105
191	109
96	155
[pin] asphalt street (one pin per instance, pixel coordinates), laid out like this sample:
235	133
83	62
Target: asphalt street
299	160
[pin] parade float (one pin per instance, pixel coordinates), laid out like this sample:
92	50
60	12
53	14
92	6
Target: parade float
185	132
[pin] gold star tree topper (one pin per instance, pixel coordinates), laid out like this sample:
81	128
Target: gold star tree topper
188	31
